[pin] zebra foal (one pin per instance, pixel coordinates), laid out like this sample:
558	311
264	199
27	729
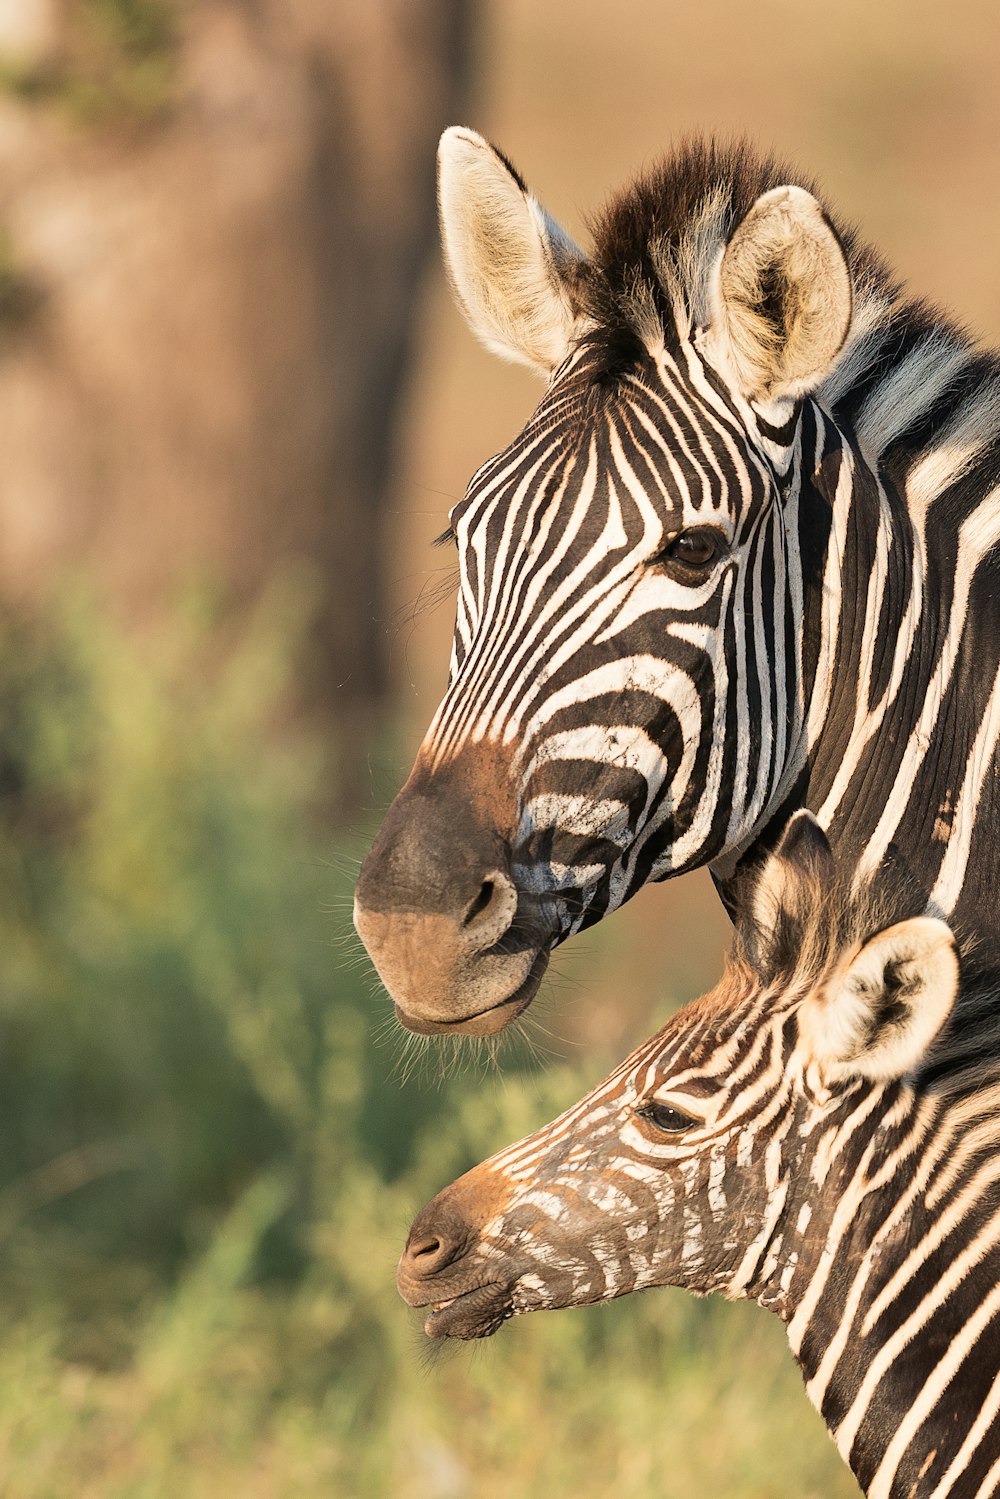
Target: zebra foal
819	1134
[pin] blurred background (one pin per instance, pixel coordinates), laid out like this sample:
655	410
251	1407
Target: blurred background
235	406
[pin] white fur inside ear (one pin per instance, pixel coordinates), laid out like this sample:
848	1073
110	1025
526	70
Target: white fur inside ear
781	299
880	1014
511	266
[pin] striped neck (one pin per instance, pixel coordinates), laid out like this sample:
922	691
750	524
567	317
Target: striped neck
900	693
856	604
887	1281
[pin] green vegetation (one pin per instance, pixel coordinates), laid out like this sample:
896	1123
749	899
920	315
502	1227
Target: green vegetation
115	62
208	1159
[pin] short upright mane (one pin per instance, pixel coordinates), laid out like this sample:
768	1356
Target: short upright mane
655	246
662	233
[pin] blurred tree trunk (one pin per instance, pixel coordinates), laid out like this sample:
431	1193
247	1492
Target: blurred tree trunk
213	223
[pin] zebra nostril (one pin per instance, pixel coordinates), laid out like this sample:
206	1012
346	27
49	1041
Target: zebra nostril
429	1246
490	913
430	1253
480	904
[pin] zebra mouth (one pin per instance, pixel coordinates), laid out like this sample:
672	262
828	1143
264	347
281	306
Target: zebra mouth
478	1313
493	1018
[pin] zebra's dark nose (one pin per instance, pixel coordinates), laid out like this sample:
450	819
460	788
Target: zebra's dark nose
442	1258
492	911
428	1253
442	918
439	1238
433	856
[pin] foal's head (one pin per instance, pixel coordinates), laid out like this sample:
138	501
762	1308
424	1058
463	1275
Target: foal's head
717	1155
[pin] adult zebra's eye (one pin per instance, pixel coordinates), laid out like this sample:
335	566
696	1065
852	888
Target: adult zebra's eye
691	553
664	1117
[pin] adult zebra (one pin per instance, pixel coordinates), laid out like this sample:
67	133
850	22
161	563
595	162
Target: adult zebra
820	1135
742	559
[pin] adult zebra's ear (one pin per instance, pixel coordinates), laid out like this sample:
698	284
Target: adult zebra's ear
781	300
512	268
880	1015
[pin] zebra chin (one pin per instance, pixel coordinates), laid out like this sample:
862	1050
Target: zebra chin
488	1021
477	1313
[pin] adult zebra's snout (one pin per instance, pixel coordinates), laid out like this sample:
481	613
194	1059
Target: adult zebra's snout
455	942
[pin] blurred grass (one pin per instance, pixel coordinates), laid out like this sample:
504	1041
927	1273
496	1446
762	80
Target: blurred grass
208	1160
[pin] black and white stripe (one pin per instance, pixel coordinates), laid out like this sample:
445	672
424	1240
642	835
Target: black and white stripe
842	652
819	1134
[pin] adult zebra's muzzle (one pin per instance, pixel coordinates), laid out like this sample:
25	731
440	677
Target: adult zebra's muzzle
455	942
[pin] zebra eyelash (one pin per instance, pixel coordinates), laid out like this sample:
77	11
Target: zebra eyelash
447	535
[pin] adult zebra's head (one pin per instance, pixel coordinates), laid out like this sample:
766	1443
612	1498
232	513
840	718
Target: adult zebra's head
626	691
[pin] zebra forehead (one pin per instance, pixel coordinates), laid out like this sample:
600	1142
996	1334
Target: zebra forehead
612	471
717	1025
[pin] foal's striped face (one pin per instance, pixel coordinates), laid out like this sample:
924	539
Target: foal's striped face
622	565
719	1154
657	1177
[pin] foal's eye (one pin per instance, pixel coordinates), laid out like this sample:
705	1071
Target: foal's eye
664	1117
690	554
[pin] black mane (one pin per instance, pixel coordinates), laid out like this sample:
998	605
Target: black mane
656	220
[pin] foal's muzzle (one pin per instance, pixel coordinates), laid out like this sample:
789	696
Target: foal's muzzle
444	1266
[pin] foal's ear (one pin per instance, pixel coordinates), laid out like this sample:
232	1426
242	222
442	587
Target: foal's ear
880	1015
781	299
511	267
793	874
